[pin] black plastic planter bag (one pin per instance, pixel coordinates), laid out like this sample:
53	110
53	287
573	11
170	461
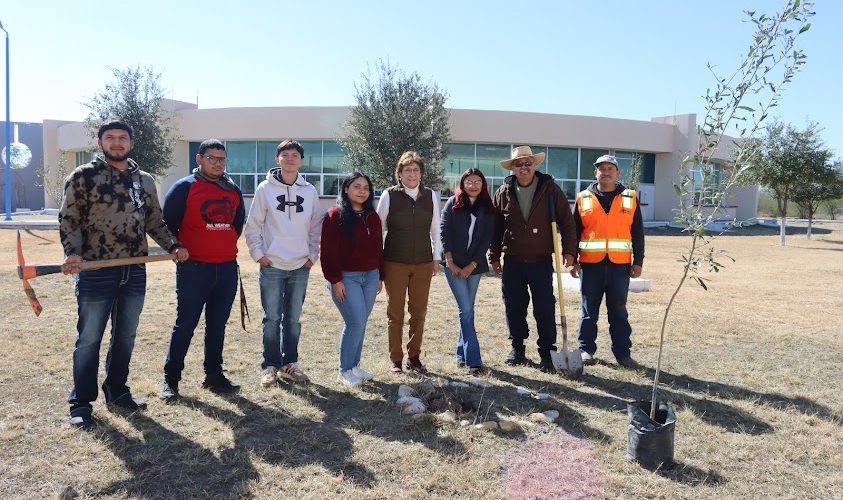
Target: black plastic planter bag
650	441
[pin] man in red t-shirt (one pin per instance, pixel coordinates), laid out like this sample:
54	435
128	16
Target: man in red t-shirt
205	210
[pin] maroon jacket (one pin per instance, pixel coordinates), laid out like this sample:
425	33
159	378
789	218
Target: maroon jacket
363	253
531	240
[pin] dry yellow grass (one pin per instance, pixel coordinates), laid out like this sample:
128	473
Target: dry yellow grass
751	367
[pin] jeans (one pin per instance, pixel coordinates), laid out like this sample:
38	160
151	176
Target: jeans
361	289
282	298
116	293
201	285
465	291
613	281
517	277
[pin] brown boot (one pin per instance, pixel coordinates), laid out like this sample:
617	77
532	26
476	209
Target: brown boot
415	365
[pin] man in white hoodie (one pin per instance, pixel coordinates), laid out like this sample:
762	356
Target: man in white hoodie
282	232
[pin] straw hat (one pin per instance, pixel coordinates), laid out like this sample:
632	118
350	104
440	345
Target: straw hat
523	152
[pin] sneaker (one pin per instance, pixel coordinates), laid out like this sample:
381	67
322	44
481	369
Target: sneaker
587	359
269	376
348	377
81	417
629	363
361	373
128	402
169	390
414	364
460	363
395	367
220	384
516	356
291	371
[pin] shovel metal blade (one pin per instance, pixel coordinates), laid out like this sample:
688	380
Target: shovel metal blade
569	363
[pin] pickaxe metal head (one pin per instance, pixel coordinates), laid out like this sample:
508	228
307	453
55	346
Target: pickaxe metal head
26	273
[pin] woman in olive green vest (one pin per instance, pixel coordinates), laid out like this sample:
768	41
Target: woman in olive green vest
412	249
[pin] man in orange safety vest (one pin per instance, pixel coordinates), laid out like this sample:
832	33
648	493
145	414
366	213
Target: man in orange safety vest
610	234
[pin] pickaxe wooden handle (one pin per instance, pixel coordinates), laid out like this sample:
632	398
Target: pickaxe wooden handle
27	272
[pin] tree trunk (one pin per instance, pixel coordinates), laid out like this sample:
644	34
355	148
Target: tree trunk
781	232
810	220
782	204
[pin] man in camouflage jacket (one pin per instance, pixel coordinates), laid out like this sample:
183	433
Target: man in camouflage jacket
109	207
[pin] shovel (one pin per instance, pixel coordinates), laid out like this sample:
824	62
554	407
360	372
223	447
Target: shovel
568	362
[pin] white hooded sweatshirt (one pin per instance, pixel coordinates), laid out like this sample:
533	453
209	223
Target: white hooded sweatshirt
285	222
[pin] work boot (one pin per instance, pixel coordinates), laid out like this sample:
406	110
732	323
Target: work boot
546	362
169	390
629	363
516	356
220	384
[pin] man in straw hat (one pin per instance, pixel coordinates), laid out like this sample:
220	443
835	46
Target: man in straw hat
611	250
523	235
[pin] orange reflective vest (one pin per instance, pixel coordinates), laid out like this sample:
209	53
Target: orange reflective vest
604	233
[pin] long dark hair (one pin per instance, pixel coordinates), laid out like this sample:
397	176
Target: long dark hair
347	221
484	200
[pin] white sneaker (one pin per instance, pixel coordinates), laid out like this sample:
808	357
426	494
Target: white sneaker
348	377
361	373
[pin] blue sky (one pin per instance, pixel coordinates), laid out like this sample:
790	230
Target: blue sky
616	58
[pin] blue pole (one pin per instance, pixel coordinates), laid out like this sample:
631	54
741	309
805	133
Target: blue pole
8	137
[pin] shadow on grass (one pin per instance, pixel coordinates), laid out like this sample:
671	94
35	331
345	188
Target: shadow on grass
726	391
689	475
165	464
620	392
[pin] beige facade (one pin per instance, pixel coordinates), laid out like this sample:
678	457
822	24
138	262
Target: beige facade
668	138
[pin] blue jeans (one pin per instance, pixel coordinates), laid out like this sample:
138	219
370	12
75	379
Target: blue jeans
282	298
115	293
361	289
200	285
613	281
517	277
465	291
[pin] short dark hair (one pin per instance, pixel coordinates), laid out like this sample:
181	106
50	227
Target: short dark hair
289	144
115	124
210	144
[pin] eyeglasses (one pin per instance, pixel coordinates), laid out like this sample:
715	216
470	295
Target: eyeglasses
290	156
520	164
473	183
217	160
410	171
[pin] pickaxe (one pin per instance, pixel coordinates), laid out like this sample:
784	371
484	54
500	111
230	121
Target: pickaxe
27	272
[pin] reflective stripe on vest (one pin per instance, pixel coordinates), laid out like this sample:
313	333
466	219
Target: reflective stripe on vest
606	234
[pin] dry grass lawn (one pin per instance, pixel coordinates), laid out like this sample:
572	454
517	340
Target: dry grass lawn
751	366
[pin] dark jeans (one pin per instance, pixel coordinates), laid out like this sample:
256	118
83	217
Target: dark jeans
612	280
115	293
517	277
201	285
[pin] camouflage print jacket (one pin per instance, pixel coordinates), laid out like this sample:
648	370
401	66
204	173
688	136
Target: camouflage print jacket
106	213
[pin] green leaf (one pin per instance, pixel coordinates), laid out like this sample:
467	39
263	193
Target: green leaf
804	28
746	108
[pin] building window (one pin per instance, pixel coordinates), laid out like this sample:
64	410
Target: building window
707	185
646	167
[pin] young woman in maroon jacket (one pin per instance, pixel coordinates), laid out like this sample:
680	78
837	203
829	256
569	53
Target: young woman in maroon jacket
352	262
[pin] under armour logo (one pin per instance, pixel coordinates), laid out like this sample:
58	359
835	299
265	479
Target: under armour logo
283	203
